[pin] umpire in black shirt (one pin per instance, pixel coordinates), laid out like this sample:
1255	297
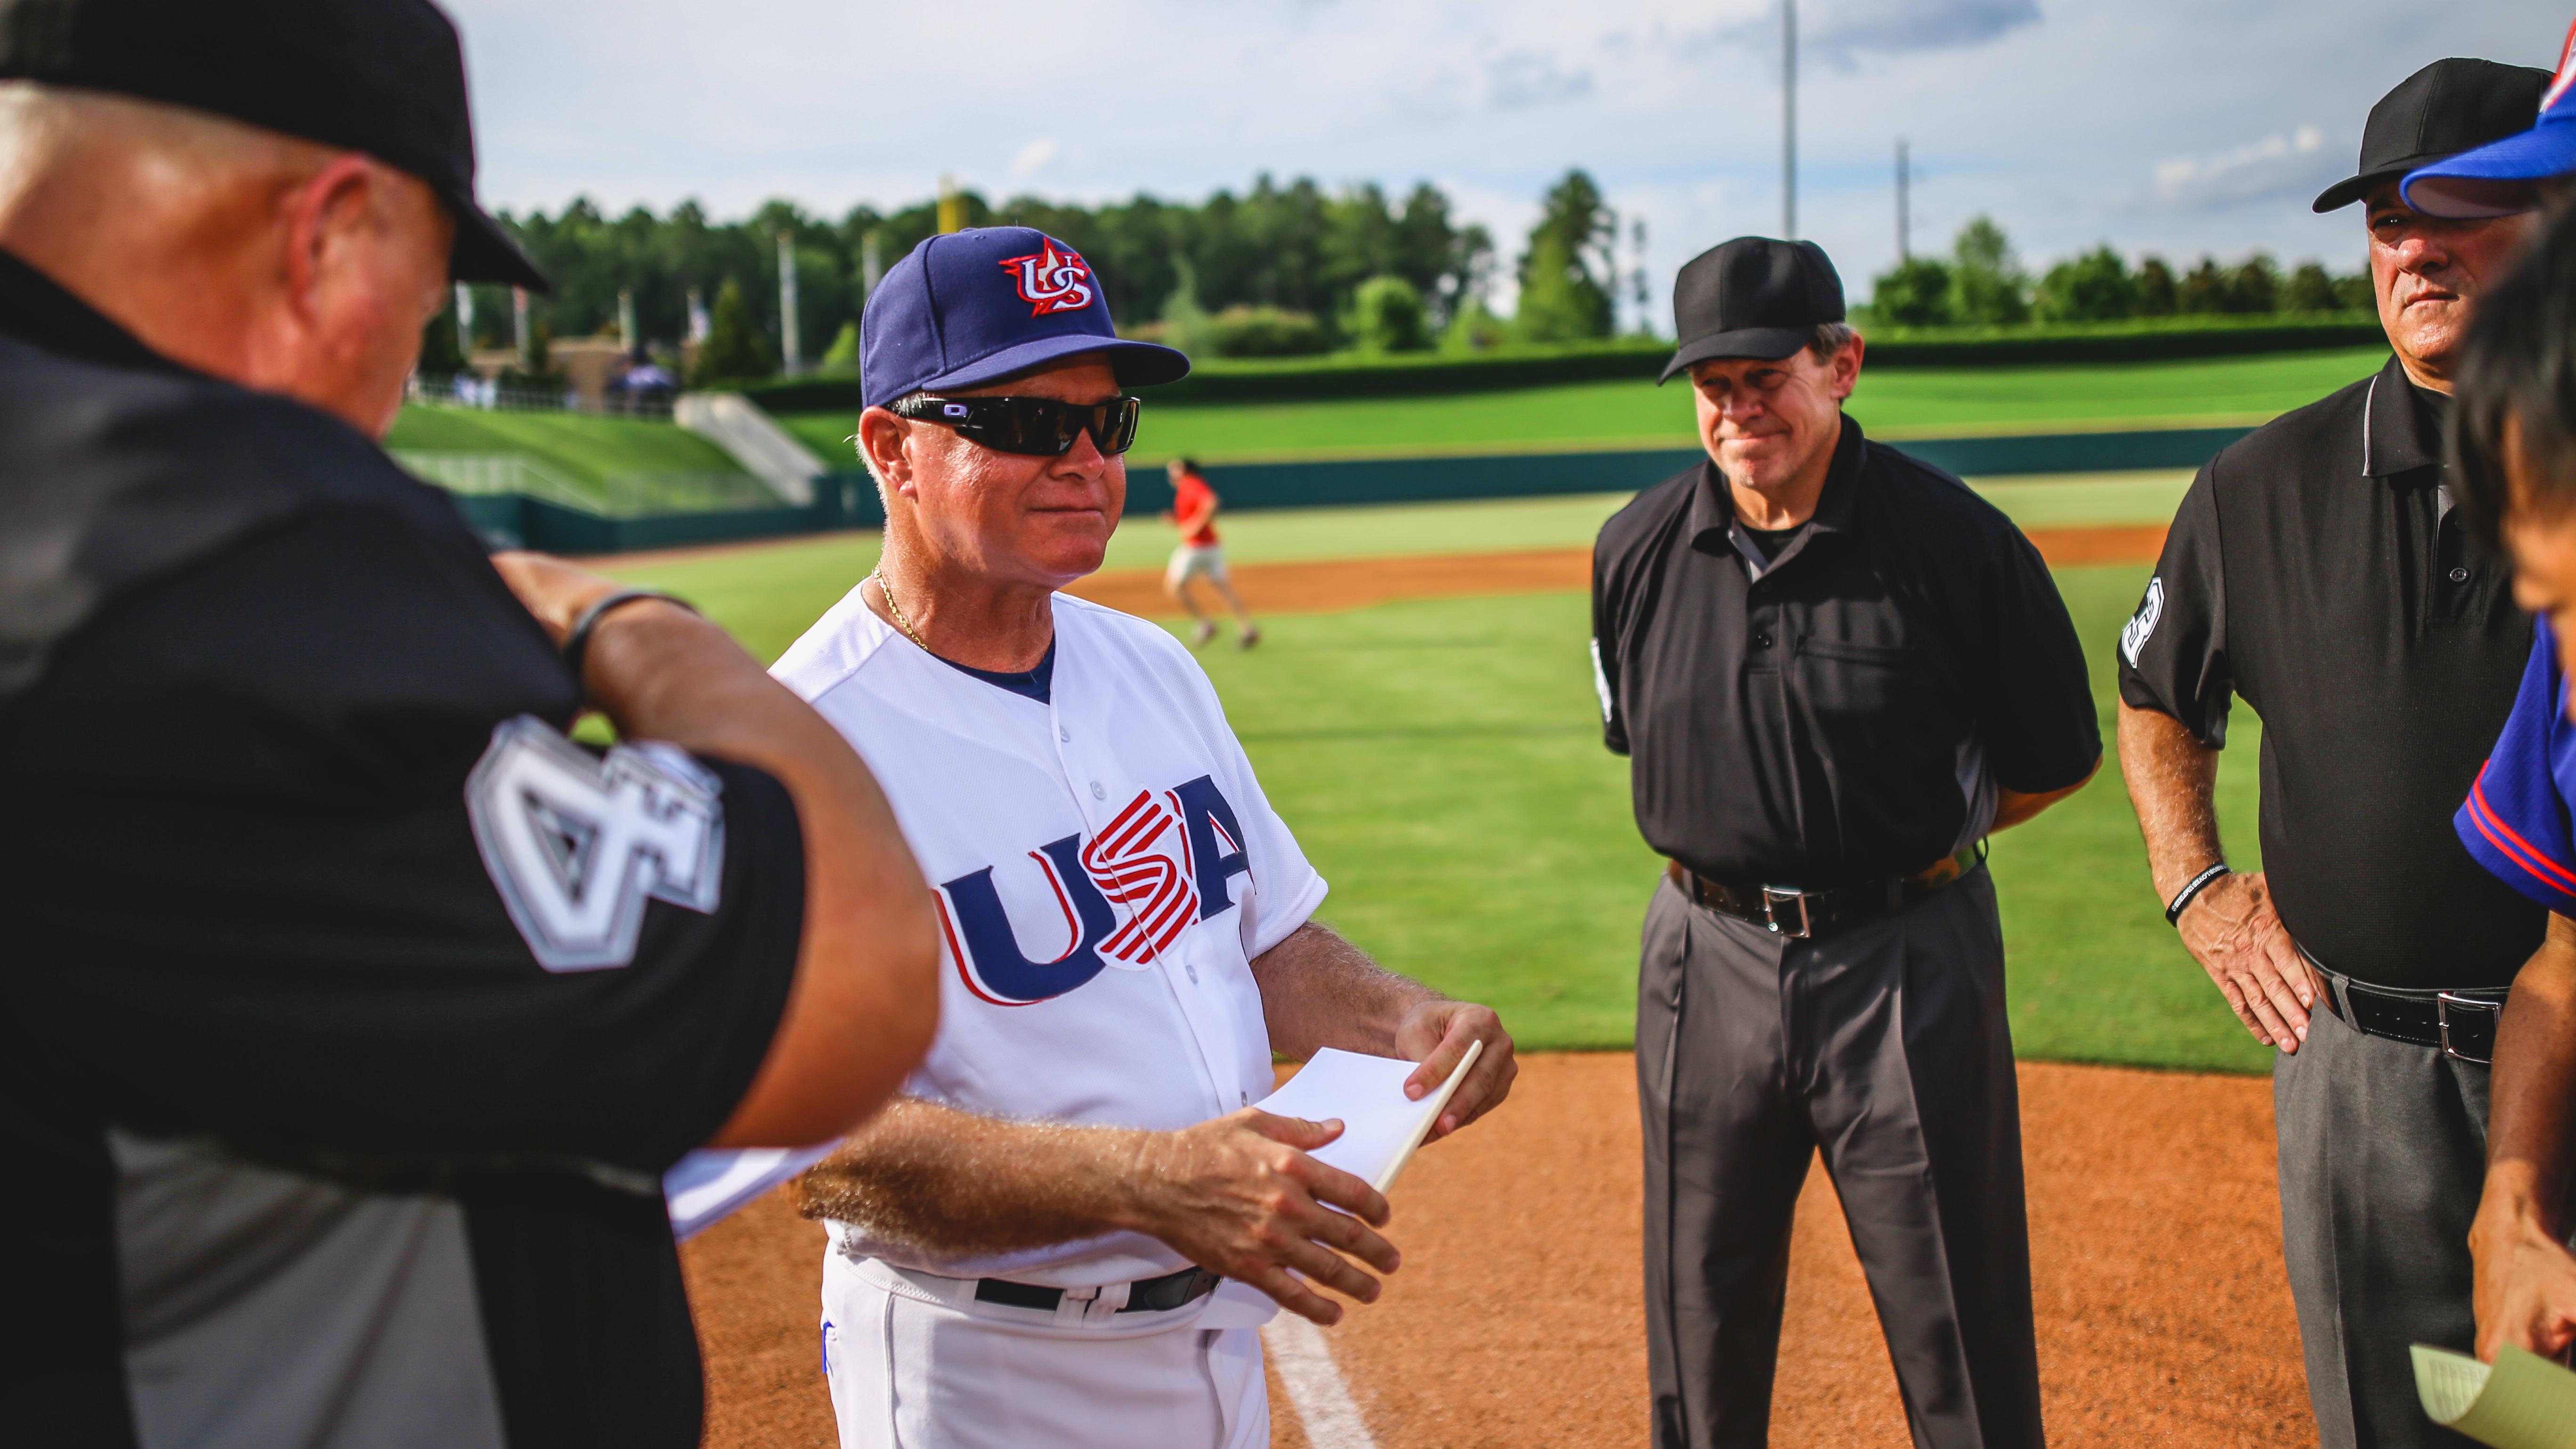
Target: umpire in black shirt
1837	670
354	1013
2318	570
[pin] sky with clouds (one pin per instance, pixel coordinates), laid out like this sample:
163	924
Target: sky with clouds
2180	127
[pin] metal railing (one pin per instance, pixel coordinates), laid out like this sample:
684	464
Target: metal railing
468	391
618	495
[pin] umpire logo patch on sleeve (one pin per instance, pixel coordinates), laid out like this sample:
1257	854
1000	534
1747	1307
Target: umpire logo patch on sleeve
576	843
2142	625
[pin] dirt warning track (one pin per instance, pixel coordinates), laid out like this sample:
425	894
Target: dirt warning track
1325	585
2163	1315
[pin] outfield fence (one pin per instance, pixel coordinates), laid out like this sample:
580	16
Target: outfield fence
561	517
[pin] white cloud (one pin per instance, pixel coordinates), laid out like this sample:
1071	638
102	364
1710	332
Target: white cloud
2052	118
1523	79
2281	167
1033	157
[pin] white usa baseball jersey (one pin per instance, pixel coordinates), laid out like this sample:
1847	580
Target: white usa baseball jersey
1106	868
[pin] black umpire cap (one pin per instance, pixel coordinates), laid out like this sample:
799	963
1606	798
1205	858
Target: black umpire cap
2444	109
386	77
1751	297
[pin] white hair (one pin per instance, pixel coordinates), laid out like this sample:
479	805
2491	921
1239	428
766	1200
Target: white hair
1828	339
916	395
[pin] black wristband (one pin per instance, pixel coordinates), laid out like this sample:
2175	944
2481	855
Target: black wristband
576	642
2199	883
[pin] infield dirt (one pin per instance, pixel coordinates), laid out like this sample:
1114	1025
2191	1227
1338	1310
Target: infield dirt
1328	584
2163	1315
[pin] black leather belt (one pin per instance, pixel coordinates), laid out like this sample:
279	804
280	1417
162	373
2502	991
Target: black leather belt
1803	915
1146	1295
2462	1023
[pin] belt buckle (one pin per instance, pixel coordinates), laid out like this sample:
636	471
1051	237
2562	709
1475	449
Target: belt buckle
1772	896
2448	1002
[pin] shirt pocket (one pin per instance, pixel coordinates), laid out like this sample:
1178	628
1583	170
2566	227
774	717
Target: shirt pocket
1874	695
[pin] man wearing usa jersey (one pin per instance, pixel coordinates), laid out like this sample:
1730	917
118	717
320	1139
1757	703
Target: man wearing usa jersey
1025	1251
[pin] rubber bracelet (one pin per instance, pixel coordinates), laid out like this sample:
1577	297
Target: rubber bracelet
2199	883
576	644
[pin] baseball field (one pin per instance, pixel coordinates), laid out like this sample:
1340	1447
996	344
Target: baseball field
1421	710
1925	401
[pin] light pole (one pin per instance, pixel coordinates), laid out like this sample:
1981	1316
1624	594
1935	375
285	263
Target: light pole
1904	218
1789	119
790	353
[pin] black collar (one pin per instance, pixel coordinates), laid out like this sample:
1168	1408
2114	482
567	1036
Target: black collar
36	309
1712	509
2398	435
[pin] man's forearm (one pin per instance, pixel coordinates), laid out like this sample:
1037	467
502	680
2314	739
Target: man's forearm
2012	807
957	1183
2173	782
1318	990
2535	1083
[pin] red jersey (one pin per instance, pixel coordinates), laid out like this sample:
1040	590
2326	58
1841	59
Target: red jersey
1193	498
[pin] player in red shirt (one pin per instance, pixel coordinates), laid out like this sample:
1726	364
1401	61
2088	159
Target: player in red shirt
1194	514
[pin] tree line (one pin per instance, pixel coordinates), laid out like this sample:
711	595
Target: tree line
1983	282
1279	268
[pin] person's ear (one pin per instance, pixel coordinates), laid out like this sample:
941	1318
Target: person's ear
1846	369
331	219
884	441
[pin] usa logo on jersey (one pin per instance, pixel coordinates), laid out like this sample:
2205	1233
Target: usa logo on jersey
1052	279
1166	862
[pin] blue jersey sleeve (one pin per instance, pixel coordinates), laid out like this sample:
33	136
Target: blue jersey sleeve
2515	821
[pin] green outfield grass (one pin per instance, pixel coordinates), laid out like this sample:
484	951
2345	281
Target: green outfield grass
1441	760
584	449
1926	402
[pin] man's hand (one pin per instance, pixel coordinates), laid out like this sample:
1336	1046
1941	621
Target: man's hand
1239	1196
1436	1033
2526	1279
555	591
2231	929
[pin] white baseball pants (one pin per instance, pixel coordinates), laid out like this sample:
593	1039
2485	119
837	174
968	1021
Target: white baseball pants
916	1363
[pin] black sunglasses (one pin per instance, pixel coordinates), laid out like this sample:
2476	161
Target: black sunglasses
1039	427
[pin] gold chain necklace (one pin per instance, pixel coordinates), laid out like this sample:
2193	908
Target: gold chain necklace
878	574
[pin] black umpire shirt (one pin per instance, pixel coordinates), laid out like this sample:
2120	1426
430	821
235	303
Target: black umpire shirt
353	1014
1842	710
2316	569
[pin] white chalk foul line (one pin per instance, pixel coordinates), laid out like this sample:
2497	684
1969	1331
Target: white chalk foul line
1305	1364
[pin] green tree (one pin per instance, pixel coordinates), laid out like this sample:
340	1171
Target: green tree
1914	293
2309	289
1565	273
2254	285
1387	315
2202	290
2156	294
1185	323
2093	287
1986	280
2357	293
1472	329
734	350
841	359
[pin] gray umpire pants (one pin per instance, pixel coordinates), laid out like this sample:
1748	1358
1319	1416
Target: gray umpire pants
2383	1151
1887	1046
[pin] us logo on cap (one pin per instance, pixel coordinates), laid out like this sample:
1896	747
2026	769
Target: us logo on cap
1051	280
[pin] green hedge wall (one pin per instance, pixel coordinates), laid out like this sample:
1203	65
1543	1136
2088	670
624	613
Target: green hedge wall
1430	374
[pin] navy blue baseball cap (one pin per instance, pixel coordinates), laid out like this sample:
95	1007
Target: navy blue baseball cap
977	306
2504	178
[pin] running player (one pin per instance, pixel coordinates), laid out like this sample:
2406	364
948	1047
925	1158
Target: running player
1200	555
